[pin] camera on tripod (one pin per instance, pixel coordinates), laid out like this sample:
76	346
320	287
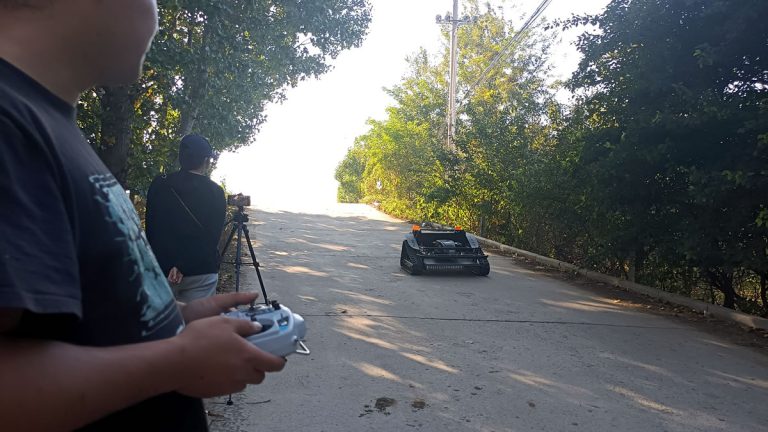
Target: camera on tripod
239	200
282	331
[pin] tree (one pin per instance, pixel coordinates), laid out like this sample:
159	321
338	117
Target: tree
213	67
504	123
349	174
676	95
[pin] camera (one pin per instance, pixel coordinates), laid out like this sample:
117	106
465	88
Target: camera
239	200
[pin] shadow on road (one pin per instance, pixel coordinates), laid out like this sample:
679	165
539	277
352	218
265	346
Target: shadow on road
512	351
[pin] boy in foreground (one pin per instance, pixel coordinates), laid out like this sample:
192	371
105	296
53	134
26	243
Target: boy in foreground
90	335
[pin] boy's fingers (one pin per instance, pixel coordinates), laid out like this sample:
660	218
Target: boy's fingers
227	301
243	327
269	363
262	360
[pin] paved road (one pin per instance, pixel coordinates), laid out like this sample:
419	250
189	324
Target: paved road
515	351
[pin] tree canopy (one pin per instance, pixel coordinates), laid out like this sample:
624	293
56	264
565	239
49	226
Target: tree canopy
212	69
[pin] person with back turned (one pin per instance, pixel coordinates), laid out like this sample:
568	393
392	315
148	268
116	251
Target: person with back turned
184	220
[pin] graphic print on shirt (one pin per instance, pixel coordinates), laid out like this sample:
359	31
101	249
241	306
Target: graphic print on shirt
152	289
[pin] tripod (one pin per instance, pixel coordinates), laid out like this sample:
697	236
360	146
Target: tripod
239	223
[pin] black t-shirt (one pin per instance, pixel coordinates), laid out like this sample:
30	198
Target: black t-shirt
72	253
185	216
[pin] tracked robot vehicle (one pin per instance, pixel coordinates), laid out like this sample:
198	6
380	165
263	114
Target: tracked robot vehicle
430	249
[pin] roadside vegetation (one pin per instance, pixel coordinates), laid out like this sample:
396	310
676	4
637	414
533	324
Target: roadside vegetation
656	169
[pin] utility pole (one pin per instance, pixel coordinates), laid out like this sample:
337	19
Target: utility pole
454	21
454	78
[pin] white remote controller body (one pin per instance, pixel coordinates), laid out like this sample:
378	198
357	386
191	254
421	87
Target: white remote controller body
282	331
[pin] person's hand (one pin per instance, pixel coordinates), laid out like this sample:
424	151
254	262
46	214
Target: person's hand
215	305
218	360
175	276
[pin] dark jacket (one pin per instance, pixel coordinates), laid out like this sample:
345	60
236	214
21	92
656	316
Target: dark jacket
185	217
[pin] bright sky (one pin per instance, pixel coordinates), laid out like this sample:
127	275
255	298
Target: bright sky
291	162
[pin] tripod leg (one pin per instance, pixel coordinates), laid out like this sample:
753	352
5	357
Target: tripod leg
255	264
228	242
238	259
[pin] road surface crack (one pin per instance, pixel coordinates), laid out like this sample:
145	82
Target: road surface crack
491	320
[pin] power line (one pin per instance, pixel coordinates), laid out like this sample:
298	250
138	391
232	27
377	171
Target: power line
503	52
513	42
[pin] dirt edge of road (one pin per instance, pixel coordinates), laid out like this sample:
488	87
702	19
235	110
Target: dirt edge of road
734	333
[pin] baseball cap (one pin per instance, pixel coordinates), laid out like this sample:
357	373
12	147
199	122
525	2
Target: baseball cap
198	145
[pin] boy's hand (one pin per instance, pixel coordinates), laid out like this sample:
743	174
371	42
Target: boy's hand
217	359
216	305
175	276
